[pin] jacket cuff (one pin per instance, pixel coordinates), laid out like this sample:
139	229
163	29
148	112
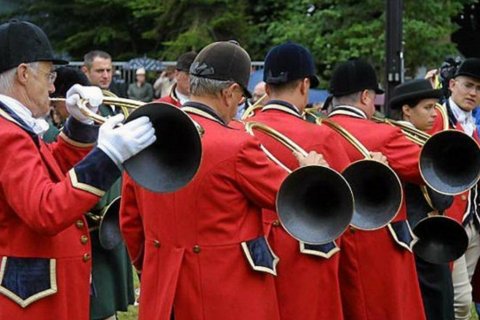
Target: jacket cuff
95	173
80	132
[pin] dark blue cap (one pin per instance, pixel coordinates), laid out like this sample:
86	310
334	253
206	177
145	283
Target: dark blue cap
288	62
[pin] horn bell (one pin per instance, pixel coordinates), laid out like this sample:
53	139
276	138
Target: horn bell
377	191
441	239
315	204
450	162
109	231
173	159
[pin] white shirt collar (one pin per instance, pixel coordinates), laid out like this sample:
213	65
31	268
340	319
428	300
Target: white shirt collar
348	110
465	118
181	97
38	126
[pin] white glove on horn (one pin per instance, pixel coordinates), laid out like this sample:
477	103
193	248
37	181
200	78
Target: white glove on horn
124	141
94	96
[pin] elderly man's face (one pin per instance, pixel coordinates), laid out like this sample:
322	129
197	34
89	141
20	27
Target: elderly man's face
38	88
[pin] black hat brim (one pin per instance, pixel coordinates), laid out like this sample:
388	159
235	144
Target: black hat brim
314	81
468	74
54	61
397	102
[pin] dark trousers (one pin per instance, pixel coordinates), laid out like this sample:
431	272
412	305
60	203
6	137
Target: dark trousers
437	289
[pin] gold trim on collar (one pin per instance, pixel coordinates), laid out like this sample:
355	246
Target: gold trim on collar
443	111
347	112
201	113
284	109
84	186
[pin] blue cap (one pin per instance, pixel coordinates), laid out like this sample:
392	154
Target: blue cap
288	62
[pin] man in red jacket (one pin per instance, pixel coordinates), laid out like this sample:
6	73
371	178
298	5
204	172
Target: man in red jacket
202	250
378	279
180	92
45	189
303	268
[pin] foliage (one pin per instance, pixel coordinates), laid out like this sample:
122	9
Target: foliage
333	30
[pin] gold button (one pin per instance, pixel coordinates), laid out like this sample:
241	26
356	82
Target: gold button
464	197
80	224
276	223
86	257
352	229
196	249
156	243
83	239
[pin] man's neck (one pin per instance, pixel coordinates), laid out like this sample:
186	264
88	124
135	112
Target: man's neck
215	104
289	98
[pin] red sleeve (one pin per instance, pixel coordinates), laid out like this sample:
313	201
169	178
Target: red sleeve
258	177
438	125
67	152
334	152
131	223
403	156
45	204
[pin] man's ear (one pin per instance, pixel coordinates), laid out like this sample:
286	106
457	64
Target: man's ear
304	86
84	69
22	73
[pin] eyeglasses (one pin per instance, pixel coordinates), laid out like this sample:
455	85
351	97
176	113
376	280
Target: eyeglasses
51	75
469	86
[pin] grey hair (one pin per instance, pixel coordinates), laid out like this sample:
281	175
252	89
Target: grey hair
7	78
349	99
207	87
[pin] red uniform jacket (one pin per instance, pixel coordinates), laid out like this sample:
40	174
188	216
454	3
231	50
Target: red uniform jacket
44	238
462	202
378	279
171	98
191	245
298	273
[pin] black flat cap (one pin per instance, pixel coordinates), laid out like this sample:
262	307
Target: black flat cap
414	89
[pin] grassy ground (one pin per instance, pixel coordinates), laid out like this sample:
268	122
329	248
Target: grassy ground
132	313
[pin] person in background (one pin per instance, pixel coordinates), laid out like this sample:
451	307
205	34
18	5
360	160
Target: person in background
258	93
66	78
112	275
118	86
180	92
97	66
416	100
163	84
140	90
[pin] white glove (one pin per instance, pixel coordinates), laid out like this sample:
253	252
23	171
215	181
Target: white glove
94	96
124	141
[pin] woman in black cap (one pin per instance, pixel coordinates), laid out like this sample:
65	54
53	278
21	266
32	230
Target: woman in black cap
415	101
